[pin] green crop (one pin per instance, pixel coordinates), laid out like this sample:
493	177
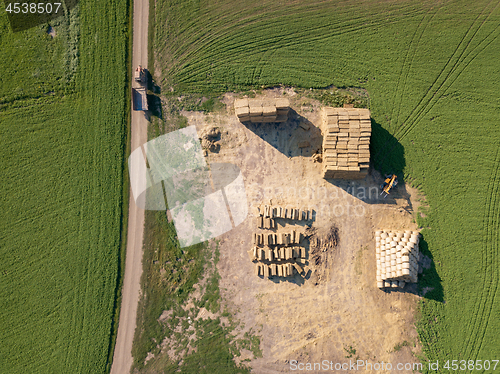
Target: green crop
63	127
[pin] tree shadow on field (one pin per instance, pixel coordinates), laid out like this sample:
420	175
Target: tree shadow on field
289	137
386	157
154	100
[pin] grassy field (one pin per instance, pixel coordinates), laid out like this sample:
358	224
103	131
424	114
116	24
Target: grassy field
432	74
169	278
63	129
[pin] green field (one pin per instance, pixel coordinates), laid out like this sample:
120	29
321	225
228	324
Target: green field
64	128
432	73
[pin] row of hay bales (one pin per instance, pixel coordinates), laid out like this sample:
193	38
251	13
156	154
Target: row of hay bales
277	254
262	110
298	214
266	223
277	270
346	142
397	254
280	238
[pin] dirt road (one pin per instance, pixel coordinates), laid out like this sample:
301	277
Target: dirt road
122	359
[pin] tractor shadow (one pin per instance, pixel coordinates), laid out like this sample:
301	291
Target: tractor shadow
296	137
386	158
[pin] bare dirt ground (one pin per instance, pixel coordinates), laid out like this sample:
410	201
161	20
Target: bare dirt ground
337	313
122	358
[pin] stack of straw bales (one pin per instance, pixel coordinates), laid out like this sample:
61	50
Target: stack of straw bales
279	238
279	270
346	143
397	258
262	110
278	253
272	212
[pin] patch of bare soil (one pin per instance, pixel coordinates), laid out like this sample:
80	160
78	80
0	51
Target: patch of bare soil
336	313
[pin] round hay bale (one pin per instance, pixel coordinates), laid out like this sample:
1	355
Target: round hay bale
378	232
399	255
399	273
405	272
399	248
393	263
379	278
380	284
404	241
394	244
394	284
393	256
398	268
383	235
387	284
399	235
394	251
402	284
399	261
405	258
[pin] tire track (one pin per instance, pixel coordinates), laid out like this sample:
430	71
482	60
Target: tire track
431	96
405	68
422	107
489	261
271	16
197	68
443	88
225	42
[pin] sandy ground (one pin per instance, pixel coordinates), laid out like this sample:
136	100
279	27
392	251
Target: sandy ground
122	358
338	306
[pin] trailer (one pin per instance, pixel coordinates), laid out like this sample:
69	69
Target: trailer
140	98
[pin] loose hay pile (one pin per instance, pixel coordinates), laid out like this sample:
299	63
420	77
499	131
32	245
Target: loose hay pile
262	110
397	258
346	143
